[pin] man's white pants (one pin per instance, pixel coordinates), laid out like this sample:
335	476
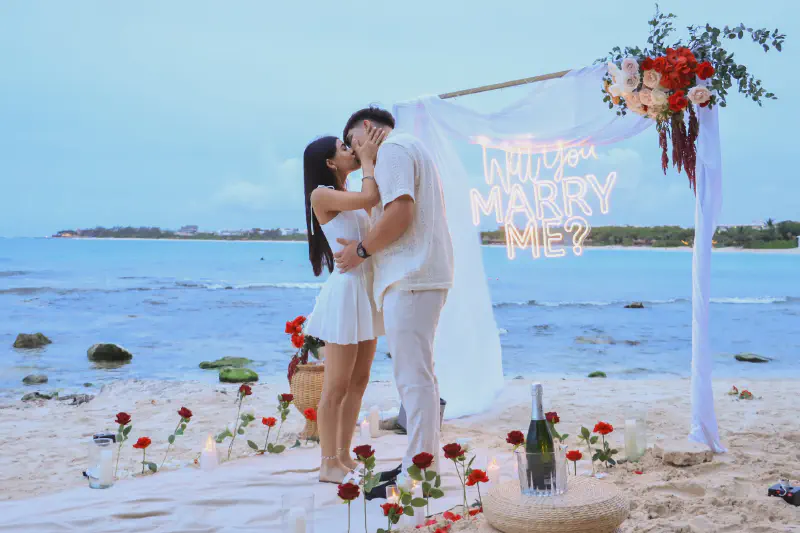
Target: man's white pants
410	319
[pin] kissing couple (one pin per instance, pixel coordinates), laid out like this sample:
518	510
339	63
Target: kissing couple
390	257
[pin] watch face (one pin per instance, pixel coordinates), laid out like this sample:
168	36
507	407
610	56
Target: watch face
361	252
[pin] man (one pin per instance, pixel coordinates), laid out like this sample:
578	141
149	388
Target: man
413	263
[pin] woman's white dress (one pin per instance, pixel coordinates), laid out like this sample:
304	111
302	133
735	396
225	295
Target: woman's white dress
345	311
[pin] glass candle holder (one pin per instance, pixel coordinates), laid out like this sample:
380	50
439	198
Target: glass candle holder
297	513
542	474
635	434
100	469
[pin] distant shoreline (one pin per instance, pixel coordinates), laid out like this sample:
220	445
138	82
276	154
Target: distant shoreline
617	247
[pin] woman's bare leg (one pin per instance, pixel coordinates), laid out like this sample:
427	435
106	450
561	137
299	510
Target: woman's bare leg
339	362
359	379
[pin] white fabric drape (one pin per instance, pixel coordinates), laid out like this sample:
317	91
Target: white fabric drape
565	111
707	207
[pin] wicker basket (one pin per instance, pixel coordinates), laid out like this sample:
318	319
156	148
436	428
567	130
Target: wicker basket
306	386
588	506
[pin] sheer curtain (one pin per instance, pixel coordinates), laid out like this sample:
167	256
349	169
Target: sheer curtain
566	111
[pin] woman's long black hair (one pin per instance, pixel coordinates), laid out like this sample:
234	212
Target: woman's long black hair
316	173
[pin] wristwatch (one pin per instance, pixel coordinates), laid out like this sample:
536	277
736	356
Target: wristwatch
362	253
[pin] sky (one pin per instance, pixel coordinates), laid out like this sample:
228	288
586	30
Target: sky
154	113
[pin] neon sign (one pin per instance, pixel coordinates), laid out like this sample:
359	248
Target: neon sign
557	206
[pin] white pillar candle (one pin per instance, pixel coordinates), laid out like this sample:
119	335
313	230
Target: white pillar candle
419	512
392	493
208	457
365	432
297	520
106	474
493	471
374	421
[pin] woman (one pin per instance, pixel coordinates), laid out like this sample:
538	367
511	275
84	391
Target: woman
344	316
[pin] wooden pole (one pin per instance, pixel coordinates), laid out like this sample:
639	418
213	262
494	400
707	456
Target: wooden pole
503	85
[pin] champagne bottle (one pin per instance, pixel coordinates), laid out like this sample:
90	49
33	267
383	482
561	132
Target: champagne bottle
539	447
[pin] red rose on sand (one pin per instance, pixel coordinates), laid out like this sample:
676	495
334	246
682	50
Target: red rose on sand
269	422
452	517
287	397
515	438
647	64
704	70
123	419
473	512
445	529
422	460
552	417
678	101
365	451
142	443
185	413
574	455
639	472
348	492
429	522
603	428
310	414
660	64
477	476
389	507
453	451
245	390
290	328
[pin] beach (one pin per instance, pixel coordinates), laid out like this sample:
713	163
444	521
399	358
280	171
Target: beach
45	444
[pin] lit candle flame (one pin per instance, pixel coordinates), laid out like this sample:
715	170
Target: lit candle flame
210	446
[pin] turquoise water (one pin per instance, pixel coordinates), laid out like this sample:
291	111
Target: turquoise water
176	303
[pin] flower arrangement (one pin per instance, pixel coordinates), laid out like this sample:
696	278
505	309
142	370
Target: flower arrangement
241	421
284	401
305	344
661	81
186	416
123	421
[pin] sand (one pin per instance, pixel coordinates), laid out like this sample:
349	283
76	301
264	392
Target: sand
44	451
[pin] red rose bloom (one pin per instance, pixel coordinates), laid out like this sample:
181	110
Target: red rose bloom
290	327
364	451
123	419
310	414
647	64
299	321
297	340
552	417
574	455
477	476
422	460
287	398
639	472
450	516
245	390
452	451
678	101
185	413
660	64
444	529
389	507
704	70
142	443
269	422
473	512
603	428
515	438
348	492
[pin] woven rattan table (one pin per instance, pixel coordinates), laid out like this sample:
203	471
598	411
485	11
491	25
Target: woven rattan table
588	506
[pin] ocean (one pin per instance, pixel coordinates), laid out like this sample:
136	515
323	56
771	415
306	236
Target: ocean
174	304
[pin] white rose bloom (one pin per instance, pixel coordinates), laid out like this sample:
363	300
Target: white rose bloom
616	89
632	98
636	108
630	66
658	97
631	83
645	97
614	71
699	95
651	78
